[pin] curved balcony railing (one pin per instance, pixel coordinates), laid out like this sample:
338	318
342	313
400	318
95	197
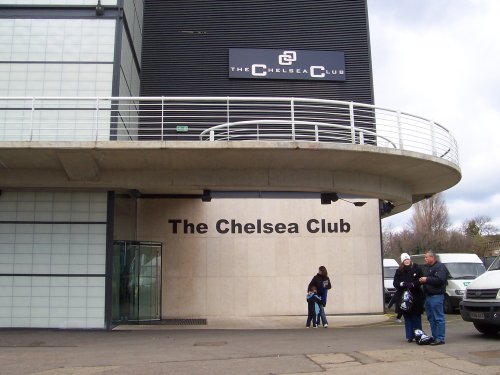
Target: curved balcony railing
221	119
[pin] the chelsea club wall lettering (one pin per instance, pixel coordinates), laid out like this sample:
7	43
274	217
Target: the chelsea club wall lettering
232	226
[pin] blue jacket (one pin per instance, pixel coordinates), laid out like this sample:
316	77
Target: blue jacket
313	301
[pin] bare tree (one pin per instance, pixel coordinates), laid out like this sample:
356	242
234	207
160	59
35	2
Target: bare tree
477	231
395	243
429	228
479	226
430	223
458	242
387	241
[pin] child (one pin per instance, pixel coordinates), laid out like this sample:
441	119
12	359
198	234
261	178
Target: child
313	303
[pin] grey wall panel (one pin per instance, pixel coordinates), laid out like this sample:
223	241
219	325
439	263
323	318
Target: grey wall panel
186	43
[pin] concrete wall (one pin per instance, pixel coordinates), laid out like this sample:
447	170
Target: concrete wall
125	224
208	273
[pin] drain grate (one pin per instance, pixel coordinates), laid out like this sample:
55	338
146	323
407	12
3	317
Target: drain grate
183	322
210	343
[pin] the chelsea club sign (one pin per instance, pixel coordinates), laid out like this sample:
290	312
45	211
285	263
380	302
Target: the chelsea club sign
259	226
286	64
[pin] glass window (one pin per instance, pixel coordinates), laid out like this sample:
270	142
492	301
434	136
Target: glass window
495	265
389	272
465	270
57	40
56	2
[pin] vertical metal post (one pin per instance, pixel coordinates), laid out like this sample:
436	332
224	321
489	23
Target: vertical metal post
32	117
400	130
316	135
433	137
361	138
96	119
452	149
227	116
292	110
162	104
212	135
351	118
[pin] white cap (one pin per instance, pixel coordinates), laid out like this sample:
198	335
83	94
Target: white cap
404	256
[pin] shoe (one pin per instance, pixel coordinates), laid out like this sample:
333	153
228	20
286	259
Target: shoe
409	340
437	342
308	327
325	325
315	326
399	321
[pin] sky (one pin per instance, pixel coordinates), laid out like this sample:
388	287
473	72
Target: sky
440	59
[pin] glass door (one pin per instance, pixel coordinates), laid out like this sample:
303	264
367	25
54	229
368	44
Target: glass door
136	282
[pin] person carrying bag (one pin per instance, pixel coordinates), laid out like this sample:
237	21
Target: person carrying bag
410	295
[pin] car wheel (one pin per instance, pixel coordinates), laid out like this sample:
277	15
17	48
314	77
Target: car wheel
487	329
448	308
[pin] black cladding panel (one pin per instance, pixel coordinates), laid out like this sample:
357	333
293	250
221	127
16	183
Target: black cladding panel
186	46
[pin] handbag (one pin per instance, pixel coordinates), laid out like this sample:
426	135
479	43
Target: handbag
406	303
421	338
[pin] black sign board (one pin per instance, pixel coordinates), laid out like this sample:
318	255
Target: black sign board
286	64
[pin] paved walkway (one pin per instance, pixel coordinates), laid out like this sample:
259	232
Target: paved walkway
364	345
271	322
413	360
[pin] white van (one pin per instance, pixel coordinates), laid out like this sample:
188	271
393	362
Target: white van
462	269
481	303
390	267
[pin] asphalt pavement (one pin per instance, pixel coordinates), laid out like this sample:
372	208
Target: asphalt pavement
277	345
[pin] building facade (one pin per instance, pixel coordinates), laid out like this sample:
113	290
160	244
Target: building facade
194	159
53	243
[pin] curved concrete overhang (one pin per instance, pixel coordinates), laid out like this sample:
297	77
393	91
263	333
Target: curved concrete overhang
166	167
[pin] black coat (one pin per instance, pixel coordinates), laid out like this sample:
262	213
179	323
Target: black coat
437	278
322	284
409	277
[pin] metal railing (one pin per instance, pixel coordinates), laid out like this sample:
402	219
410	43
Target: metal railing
221	119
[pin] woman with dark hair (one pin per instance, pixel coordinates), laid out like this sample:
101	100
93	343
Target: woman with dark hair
322	283
406	279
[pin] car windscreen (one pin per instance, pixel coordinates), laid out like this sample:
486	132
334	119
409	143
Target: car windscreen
495	265
389	272
465	270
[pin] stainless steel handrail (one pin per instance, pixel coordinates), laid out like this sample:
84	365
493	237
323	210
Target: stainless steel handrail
221	119
321	130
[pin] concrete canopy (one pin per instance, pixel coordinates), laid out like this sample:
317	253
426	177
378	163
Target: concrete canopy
163	167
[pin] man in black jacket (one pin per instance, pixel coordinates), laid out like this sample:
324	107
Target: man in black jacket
434	283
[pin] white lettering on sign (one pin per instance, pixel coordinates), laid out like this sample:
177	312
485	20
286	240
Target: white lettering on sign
315	69
259	70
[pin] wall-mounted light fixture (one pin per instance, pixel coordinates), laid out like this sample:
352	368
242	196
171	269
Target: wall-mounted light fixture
328	198
386	207
206	196
134	193
356	203
99	9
